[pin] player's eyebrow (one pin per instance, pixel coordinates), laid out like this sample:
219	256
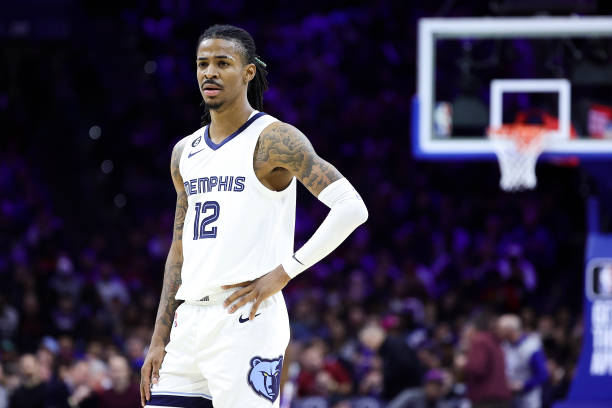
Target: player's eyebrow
217	57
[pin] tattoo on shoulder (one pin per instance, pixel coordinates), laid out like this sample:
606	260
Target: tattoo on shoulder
181	197
175	161
282	145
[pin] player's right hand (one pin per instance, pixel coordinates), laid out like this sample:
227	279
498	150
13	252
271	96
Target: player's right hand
149	373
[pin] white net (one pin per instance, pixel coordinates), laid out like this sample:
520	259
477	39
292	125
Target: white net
518	148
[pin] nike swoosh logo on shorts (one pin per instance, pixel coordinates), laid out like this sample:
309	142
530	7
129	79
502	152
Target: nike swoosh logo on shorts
241	320
194	153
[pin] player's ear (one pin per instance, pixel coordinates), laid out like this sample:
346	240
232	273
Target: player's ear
249	73
255	361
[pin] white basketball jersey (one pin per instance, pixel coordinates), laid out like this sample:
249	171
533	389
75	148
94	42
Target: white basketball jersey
236	229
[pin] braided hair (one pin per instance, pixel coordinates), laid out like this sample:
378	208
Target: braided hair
259	83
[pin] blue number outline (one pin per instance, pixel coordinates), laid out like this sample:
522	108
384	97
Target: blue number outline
212	233
196	222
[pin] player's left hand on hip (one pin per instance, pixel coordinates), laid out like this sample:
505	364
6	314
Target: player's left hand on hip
257	290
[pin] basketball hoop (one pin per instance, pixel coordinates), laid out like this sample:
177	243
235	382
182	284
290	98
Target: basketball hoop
518	147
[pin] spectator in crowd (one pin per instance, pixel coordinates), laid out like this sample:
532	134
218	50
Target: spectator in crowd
557	386
431	395
124	391
78	380
32	325
367	361
56	391
321	376
9	318
66	281
3	391
515	267
525	362
135	352
31	393
110	288
401	368
483	366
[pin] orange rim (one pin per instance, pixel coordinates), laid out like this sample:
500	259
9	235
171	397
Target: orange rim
522	135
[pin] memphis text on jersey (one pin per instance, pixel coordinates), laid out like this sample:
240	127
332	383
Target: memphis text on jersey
219	183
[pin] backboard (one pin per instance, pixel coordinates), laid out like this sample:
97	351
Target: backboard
479	72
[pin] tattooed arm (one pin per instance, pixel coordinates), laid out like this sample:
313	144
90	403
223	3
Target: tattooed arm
283	152
172	282
174	262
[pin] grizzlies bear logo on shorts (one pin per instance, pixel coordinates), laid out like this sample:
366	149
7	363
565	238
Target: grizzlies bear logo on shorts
264	376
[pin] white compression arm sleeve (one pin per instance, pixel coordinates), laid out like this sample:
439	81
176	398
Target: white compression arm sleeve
348	211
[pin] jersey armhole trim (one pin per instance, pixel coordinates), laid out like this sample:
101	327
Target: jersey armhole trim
189	144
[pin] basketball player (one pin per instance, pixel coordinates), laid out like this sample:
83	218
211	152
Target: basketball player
222	326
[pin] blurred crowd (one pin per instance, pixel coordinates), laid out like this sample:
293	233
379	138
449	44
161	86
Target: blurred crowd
391	317
386	316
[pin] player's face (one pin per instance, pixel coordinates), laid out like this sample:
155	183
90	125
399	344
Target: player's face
222	74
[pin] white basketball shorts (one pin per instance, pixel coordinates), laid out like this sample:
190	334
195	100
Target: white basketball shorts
224	358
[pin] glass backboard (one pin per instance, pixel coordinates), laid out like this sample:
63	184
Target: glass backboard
479	72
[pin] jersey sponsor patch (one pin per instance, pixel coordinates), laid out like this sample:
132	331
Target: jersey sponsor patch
264	377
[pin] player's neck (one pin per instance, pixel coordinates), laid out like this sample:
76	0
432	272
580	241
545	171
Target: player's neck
225	121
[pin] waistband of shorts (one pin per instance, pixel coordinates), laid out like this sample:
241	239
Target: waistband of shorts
212	299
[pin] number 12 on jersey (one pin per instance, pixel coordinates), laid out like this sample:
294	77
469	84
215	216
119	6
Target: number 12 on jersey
199	228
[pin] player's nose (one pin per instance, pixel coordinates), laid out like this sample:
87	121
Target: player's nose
211	72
